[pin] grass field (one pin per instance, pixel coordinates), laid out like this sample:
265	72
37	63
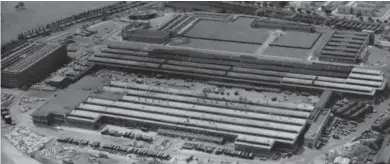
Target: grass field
297	39
227	31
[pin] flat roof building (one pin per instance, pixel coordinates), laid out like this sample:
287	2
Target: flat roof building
269	125
315	130
32	64
321	104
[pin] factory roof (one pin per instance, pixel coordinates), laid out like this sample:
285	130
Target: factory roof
250	69
227	127
27	59
285	105
324	99
316	127
223	104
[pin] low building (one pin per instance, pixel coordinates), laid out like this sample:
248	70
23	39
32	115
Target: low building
252	144
315	130
59	81
320	106
234	67
268	124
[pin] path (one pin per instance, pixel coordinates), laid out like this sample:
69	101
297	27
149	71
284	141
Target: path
272	36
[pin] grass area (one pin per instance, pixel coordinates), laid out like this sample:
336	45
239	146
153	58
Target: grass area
227	31
105	27
297	39
286	52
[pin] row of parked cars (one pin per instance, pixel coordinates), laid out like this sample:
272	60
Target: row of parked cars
115	149
235	153
198	147
118	149
218	151
74	141
128	135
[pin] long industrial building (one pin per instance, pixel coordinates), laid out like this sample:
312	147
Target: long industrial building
238	68
31	64
268	124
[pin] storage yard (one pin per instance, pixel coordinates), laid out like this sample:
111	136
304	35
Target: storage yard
153	85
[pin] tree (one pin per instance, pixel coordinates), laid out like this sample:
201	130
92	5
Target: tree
283	4
105	17
361	18
300	10
328	11
292	8
358	15
308	11
21	37
385	21
222	11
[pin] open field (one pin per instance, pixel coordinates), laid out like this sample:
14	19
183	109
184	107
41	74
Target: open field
227	31
286	52
217	45
296	39
106	27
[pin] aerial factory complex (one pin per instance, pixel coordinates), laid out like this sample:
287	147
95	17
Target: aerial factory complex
202	82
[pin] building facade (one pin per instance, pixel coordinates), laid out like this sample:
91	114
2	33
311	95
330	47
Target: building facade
28	66
315	130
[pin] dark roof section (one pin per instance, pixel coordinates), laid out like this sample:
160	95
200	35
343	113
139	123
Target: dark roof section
343	46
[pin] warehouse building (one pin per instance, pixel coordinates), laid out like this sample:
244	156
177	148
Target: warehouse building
325	98
315	130
264	125
32	64
234	67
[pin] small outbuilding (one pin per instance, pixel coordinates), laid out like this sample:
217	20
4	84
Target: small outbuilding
59	81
